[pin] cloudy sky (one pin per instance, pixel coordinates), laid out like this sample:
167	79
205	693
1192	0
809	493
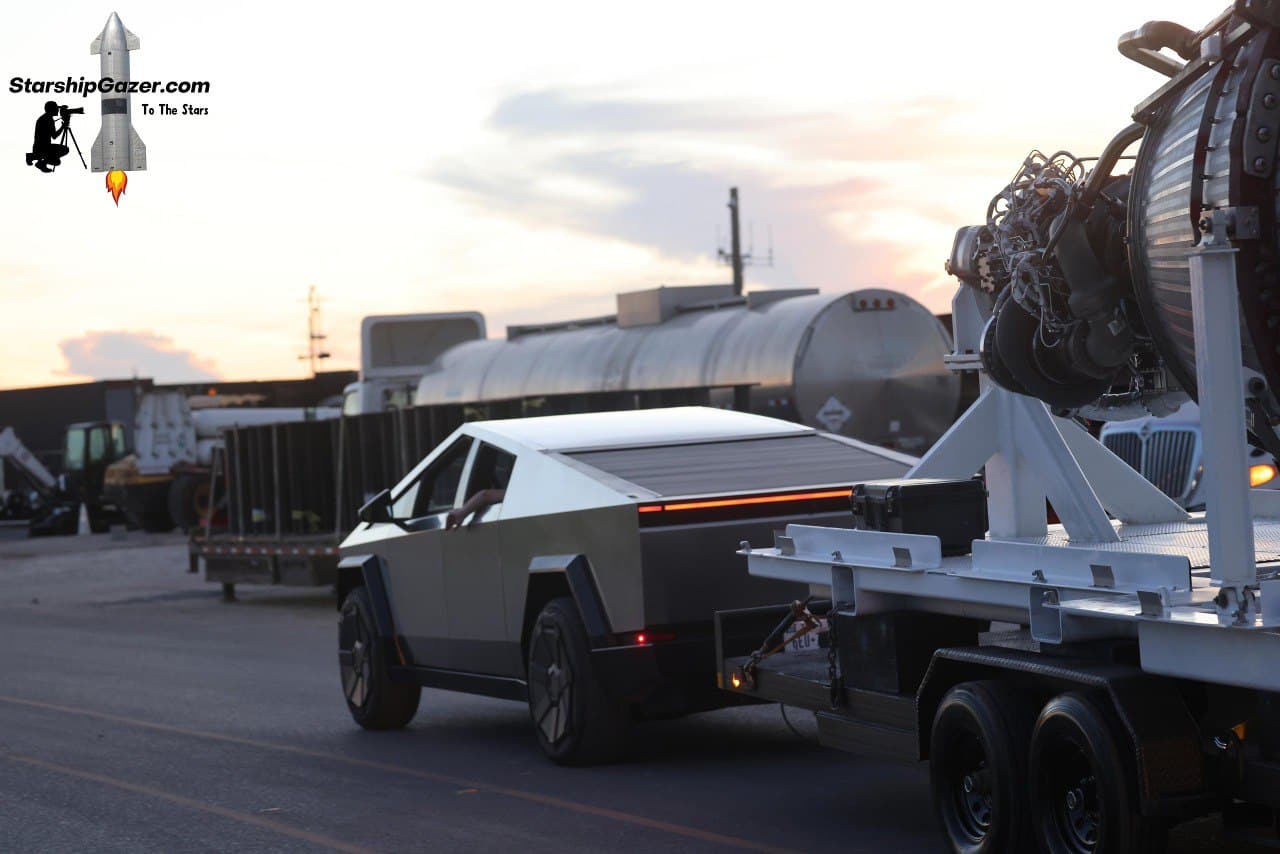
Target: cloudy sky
527	160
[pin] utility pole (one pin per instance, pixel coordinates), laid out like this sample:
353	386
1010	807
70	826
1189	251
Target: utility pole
735	240
315	350
735	257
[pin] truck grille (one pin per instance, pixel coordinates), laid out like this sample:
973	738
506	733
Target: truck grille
1165	457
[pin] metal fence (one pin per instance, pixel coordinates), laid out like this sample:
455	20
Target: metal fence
308	479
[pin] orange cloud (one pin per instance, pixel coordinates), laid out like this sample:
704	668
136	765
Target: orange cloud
116	354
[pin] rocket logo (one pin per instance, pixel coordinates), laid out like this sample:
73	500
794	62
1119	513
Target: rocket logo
118	148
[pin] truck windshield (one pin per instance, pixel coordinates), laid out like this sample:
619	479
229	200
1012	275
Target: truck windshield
74	458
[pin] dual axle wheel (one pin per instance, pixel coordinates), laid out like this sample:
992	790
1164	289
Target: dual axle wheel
1006	779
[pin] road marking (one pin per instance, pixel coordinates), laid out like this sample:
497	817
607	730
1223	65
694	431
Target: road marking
212	809
456	782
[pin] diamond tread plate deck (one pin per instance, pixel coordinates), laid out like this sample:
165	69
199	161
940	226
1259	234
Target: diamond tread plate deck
1174	538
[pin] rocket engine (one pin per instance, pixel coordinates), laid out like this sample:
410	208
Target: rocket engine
1085	264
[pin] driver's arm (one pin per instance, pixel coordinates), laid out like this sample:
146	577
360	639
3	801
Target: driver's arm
482	499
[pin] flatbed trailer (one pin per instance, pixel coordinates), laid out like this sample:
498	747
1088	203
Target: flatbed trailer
284	496
1080	686
1120	685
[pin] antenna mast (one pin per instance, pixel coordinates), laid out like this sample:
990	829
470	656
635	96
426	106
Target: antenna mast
735	257
315	348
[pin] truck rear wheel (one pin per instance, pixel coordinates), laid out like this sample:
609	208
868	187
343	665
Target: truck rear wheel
978	766
1083	796
375	702
576	721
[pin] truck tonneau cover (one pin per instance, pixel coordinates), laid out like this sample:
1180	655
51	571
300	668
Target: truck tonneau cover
747	465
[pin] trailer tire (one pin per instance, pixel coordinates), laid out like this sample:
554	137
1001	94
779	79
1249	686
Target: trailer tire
576	721
1082	782
374	701
188	500
978	766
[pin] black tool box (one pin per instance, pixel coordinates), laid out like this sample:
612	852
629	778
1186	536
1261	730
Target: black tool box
954	511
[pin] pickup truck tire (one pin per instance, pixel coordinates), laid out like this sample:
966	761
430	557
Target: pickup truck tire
375	702
978	767
1083	782
576	721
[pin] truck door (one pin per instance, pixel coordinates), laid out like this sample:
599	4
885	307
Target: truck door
473	573
412	552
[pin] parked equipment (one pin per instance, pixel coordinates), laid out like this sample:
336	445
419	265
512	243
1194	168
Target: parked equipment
1133	683
165	481
284	496
89	448
15	502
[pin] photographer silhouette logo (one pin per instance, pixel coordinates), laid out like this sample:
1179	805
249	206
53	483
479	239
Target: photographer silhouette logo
50	143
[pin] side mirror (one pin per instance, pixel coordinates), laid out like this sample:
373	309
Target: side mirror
378	509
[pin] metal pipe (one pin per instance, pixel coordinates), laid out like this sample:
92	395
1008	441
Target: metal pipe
1144	44
1107	161
1097	179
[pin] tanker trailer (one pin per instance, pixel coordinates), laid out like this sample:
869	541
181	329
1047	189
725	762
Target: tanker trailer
865	364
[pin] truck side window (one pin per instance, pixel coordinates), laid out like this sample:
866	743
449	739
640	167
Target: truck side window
437	487
97	444
491	470
117	441
74	458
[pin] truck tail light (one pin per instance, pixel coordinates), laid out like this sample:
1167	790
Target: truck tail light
649	638
780	498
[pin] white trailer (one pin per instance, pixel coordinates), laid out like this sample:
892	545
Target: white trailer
1081	685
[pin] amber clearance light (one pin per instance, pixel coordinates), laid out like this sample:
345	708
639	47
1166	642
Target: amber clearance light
744	501
1261	473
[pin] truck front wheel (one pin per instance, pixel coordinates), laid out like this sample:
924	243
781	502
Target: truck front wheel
1083	796
375	702
576	722
978	766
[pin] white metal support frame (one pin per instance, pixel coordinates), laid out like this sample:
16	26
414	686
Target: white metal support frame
1030	455
1127	562
1220	381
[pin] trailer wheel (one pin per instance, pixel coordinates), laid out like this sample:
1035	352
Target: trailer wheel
978	766
188	500
375	702
576	721
1082	783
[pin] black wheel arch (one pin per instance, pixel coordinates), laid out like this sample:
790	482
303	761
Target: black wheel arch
553	576
367	571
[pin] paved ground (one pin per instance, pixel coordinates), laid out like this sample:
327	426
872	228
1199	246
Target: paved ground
138	712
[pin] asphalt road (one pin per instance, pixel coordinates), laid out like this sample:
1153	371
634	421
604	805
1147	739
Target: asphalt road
139	712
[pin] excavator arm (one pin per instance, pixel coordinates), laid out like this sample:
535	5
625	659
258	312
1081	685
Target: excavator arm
12	449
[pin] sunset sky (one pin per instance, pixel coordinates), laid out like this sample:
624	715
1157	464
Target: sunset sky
527	160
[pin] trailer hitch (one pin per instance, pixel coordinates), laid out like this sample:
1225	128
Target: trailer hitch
776	641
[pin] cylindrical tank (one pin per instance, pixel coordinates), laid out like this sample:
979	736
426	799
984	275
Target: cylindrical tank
866	364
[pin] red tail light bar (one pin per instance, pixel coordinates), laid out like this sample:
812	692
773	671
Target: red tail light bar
743	501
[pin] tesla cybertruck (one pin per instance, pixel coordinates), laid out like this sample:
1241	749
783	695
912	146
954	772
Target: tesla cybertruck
576	561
